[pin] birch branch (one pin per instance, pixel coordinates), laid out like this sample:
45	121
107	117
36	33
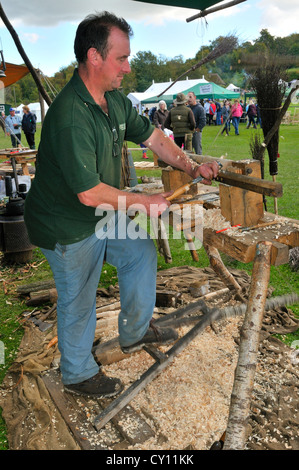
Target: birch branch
236	433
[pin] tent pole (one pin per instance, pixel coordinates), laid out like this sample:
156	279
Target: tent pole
24	56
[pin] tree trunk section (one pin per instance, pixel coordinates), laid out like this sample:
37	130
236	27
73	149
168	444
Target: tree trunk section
236	433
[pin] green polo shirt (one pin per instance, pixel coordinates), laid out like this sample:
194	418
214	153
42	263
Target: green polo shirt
80	147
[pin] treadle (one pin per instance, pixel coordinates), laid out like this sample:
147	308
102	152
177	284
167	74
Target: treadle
122	400
163	360
158	355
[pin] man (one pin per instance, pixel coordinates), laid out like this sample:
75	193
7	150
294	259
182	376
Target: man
200	122
212	111
207	110
218	113
29	126
13	128
180	120
71	211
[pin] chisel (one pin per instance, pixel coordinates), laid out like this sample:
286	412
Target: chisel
182	189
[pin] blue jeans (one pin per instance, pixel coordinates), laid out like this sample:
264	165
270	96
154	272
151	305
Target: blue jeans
77	270
235	121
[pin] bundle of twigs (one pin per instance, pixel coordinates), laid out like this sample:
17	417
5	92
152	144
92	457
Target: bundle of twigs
224	47
269	83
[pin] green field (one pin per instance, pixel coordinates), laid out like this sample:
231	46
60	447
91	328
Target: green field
282	278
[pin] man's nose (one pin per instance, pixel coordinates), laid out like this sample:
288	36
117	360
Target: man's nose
127	67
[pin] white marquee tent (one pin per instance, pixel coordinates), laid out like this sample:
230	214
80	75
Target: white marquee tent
232	87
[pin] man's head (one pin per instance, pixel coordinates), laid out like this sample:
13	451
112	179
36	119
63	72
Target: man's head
191	98
94	31
12	112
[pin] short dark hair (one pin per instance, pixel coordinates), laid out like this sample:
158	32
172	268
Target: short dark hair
94	31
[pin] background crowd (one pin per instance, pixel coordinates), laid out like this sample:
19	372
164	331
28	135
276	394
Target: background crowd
189	115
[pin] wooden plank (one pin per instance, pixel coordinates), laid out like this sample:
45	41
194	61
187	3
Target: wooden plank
77	412
74	416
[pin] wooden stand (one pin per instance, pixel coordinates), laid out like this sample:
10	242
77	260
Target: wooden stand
238	205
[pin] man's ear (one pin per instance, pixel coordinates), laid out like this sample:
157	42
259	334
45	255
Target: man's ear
93	56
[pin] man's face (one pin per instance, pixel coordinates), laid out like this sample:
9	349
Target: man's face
116	64
191	99
12	113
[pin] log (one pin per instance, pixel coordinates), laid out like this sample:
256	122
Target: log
37	298
36	286
236	432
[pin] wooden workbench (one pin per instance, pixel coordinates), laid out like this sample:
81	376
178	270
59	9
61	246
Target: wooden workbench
242	245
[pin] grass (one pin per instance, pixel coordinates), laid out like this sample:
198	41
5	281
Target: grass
236	148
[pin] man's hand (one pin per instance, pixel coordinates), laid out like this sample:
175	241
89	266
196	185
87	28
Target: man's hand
152	205
208	170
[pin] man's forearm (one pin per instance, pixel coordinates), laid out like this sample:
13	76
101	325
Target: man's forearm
170	153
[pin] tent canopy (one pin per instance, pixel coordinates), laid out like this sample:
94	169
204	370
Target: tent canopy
194	4
212	91
201	90
150	95
13	74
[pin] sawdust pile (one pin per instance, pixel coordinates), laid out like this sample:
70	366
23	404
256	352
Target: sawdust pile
187	405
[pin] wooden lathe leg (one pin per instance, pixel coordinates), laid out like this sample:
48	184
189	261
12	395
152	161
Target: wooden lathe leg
161	238
220	269
236	433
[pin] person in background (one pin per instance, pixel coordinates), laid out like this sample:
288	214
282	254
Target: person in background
251	114
160	115
180	119
207	111
212	113
218	113
236	113
225	111
29	126
13	127
258	115
200	122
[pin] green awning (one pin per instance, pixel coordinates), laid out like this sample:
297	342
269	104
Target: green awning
212	91
194	4
201	90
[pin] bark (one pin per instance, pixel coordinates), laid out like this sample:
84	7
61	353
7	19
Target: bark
236	433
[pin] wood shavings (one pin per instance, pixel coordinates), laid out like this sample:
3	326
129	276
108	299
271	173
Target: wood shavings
189	401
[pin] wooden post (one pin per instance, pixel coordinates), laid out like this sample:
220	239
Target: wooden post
236	433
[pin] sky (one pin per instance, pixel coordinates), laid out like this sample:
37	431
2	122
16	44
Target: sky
46	28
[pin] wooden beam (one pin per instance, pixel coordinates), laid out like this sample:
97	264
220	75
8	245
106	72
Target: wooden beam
208	11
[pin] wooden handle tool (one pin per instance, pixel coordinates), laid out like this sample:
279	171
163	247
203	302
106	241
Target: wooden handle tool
182	189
